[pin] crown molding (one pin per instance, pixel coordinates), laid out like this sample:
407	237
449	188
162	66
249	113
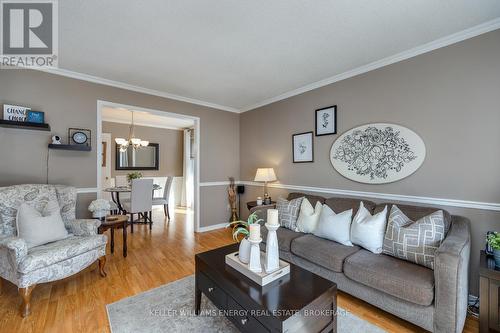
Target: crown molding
131	87
428	47
385	196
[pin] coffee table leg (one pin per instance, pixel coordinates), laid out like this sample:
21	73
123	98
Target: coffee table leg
112	240
197	298
125	239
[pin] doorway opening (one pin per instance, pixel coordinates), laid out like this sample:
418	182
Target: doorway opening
167	151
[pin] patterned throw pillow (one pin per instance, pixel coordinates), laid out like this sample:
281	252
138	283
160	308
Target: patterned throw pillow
414	241
288	212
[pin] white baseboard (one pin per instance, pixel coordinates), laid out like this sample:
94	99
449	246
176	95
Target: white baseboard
212	227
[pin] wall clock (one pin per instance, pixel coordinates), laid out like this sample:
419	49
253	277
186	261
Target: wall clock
79	136
377	153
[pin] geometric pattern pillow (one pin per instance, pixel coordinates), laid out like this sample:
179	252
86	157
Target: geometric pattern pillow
288	212
414	241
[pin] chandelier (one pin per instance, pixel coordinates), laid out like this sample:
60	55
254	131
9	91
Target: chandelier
132	140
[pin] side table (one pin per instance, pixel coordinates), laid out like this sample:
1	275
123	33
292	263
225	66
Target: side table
489	289
113	222
252	204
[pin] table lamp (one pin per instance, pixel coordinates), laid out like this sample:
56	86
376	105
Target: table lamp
265	175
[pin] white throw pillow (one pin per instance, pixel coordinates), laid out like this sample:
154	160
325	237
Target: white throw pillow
37	228
368	231
308	216
335	227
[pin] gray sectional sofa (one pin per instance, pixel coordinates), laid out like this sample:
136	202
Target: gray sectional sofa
435	300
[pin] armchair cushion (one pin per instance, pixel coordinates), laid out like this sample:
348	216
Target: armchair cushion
48	254
83	227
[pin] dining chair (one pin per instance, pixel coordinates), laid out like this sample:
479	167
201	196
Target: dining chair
141	202
121	180
163	200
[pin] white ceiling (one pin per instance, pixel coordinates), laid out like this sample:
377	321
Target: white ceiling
142	118
235	55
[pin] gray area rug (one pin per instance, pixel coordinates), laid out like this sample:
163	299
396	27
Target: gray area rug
170	308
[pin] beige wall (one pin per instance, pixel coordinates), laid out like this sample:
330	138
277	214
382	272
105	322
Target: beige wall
170	142
72	103
450	97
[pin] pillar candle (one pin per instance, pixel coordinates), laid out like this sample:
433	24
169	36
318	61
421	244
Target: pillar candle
272	216
255	232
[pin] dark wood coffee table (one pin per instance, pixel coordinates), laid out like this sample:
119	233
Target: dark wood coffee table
299	302
113	222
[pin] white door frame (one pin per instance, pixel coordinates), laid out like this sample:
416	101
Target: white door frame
101	104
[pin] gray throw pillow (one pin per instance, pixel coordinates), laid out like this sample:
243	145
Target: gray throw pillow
288	212
414	241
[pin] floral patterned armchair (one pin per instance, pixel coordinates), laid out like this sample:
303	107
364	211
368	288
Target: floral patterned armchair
49	262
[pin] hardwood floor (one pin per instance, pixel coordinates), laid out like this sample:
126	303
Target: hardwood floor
165	254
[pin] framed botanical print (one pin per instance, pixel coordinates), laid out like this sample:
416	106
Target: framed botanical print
303	147
326	121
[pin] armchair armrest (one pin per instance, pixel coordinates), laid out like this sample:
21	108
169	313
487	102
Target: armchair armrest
83	227
261	211
16	248
451	275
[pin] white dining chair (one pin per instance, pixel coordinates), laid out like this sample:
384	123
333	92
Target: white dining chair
141	202
121	180
163	200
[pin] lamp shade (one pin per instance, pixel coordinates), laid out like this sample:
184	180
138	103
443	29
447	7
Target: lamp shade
265	175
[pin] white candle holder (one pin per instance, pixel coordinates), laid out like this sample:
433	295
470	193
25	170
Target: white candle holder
254	264
272	252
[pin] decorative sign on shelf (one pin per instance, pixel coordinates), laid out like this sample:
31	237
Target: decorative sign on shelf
15	112
377	153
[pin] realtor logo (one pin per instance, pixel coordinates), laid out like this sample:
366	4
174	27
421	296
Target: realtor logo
29	33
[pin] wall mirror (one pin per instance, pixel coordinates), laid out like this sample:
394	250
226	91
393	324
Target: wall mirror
143	158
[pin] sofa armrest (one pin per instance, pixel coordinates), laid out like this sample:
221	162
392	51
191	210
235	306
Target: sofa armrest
451	275
16	248
261	211
84	227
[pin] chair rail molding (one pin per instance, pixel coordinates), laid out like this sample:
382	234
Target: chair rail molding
81	190
385	196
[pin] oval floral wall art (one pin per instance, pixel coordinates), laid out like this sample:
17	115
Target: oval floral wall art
377	153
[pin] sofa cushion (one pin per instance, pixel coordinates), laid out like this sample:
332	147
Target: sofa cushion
51	253
396	277
285	237
343	204
288	212
312	198
322	252
415	241
415	213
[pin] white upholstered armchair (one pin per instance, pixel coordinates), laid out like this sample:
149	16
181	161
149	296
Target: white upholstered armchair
27	267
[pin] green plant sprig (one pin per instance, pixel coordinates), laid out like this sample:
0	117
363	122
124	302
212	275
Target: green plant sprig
245	225
494	240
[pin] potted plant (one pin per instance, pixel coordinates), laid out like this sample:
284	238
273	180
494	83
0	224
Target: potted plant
494	241
133	175
242	228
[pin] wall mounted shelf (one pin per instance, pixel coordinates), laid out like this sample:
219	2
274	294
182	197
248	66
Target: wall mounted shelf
24	125
70	147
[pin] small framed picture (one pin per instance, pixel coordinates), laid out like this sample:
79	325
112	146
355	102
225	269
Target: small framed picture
35	117
303	147
326	121
79	136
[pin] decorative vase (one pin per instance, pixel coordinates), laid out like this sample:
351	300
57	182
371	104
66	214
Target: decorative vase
99	214
496	256
254	264
244	251
272	251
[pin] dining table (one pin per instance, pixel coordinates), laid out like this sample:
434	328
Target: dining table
115	193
